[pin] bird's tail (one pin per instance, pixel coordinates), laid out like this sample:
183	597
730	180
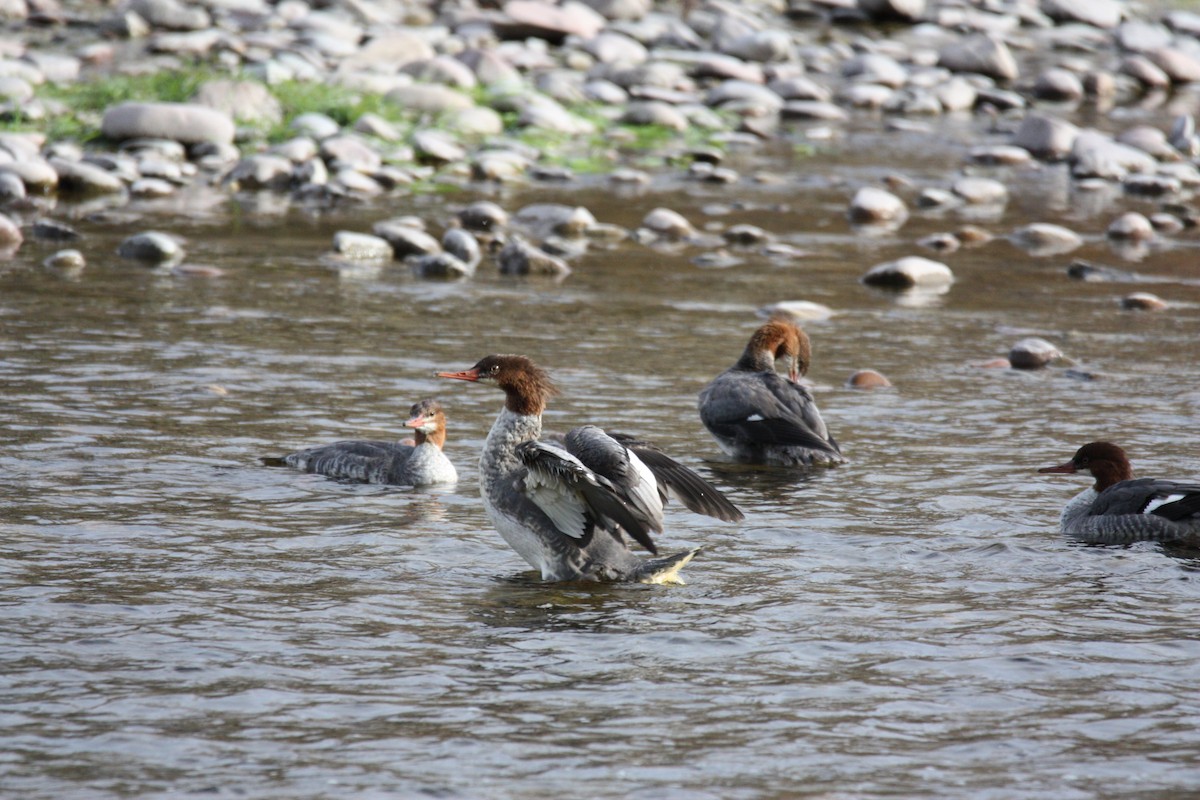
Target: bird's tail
666	569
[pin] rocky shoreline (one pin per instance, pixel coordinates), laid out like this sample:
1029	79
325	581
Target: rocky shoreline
514	92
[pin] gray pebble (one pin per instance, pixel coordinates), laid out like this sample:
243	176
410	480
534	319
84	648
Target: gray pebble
1032	353
350	244
908	272
151	247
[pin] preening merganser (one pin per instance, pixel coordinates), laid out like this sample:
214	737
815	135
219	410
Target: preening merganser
419	464
563	505
1119	508
760	417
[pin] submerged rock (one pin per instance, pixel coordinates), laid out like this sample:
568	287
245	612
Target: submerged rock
909	272
1032	353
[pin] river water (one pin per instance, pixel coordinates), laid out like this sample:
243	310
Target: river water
181	621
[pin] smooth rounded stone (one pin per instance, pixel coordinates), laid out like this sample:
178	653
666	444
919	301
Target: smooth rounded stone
999	99
350	244
1032	353
437	147
743	94
800	87
813	110
314	125
474	121
606	233
15	90
350	151
868	380
1046	239
442	265
1098	13
10	235
1151	185
875	68
606	92
1130	226
547	218
462	245
610	47
956	94
626	176
1000	155
1186	173
763	47
933	197
973	235
655	113
261	171
668	224
1058	85
181	122
519	257
980	53
442	69
49	230
621	9
351	182
152	187
1087	272
297	150
1094	155
483	215
12	188
796	311
1142	301
1099	85
35	173
499	165
1141	36
69	261
1149	139
545	113
171	14
84	178
151	247
892	9
980	191
1179	65
1145	71
525	19
387	50
1045	137
248	101
1185	22
377	127
404	239
1166	223
745	235
428	98
940	242
871	204
909	272
867	95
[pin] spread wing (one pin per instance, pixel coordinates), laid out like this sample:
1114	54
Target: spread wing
574	496
692	490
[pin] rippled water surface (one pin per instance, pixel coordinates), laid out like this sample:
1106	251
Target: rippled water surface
181	621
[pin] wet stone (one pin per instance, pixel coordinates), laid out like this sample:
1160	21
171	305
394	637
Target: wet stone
909	272
745	235
10	235
1008	155
980	191
350	244
796	311
151	247
667	223
1046	239
873	205
483	215
315	126
1058	85
263	171
1131	226
519	257
442	265
462	245
71	261
1045	136
49	230
84	178
982	54
181	122
404	239
868	380
1142	301
1032	353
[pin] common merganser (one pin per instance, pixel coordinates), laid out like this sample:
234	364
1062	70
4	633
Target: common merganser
562	505
421	463
760	417
1119	509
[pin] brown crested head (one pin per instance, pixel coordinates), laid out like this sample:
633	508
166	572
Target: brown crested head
428	419
775	340
1105	461
526	386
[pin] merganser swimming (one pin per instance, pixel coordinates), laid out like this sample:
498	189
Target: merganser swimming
760	417
420	463
562	505
1119	509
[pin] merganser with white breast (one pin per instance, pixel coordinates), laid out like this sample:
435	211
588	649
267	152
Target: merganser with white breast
1119	509
421	463
760	417
563	505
